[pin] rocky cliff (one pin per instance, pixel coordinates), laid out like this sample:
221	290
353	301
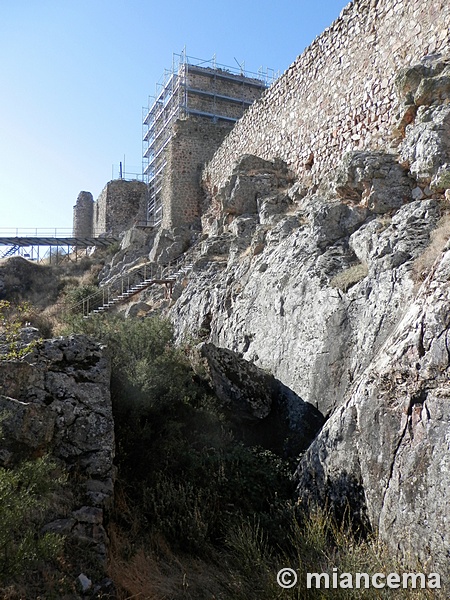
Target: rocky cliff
322	285
56	401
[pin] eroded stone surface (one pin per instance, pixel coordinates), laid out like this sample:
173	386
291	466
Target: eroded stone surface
56	400
275	294
316	297
389	439
426	147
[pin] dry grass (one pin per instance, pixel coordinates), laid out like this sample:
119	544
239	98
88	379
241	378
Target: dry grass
247	571
348	278
159	574
438	241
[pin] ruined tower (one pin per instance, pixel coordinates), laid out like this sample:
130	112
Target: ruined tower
196	105
83	213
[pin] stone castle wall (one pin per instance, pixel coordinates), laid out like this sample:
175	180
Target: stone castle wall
193	143
339	95
120	204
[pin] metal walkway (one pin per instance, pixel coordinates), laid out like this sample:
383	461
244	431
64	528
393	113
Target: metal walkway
61	240
75	242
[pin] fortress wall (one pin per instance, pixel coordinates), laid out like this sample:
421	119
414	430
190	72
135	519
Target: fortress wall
120	204
100	212
339	95
193	143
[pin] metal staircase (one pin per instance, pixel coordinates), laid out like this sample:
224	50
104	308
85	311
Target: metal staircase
10	251
135	281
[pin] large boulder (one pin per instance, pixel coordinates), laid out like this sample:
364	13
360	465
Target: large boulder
424	84
426	147
424	121
260	405
252	179
384	451
374	179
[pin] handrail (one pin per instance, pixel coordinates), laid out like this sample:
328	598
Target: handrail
32	232
149	272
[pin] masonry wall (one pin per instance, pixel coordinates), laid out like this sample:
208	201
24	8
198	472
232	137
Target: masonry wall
339	95
194	142
83	213
220	81
120	205
218	106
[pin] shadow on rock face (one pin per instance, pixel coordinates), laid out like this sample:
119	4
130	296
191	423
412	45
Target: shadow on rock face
343	494
262	409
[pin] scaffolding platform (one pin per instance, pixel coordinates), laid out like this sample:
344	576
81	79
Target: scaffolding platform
193	88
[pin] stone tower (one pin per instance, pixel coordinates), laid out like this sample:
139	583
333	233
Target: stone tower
195	107
83	215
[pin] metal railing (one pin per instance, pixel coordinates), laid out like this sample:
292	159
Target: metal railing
40	232
123	287
53	232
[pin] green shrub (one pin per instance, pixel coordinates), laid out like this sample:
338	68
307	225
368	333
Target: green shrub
25	493
78	299
12	319
178	460
179	511
188	487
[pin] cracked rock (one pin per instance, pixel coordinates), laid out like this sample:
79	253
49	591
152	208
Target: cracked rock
389	440
57	401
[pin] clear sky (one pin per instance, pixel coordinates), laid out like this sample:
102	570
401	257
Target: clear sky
75	75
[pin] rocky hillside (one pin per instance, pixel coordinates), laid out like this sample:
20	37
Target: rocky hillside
339	291
322	308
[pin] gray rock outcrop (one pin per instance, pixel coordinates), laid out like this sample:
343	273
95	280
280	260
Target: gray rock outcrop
56	400
384	452
323	286
317	282
312	297
424	121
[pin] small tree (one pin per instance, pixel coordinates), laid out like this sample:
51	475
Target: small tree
11	322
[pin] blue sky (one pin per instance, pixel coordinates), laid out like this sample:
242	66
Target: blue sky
75	75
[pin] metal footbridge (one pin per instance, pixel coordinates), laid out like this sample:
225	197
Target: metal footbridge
28	242
60	241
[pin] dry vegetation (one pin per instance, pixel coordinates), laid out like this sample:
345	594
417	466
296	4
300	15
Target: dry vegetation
438	241
48	289
198	516
351	276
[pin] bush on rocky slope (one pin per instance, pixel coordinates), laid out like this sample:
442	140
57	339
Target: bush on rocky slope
197	514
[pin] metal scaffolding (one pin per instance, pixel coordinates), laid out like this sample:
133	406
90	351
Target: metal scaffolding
190	88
